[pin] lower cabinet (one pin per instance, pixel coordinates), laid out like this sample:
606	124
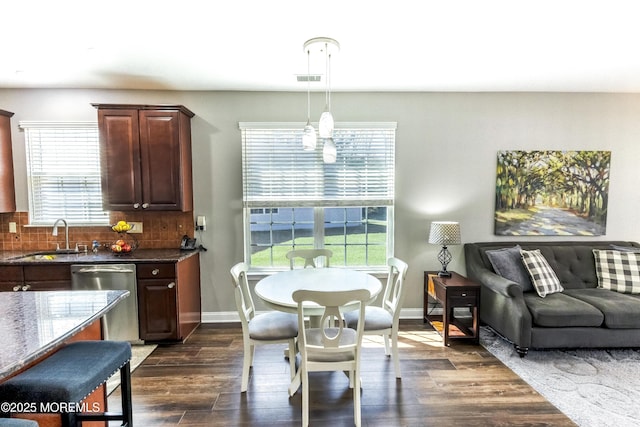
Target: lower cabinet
168	299
168	293
35	278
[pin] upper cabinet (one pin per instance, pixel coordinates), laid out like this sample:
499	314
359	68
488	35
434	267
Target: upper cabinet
7	188
145	157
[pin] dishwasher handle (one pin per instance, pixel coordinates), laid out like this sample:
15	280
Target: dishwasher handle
105	269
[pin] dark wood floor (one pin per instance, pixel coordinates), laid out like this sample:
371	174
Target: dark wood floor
198	384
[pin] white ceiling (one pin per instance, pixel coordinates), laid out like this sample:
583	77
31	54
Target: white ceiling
400	45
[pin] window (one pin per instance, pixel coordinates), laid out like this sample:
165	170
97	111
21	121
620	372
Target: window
63	172
292	199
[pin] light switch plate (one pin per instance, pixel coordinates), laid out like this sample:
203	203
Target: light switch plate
13	228
136	227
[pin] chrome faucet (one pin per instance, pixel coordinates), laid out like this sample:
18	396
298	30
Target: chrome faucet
66	231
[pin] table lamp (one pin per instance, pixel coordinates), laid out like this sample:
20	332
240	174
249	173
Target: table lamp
444	233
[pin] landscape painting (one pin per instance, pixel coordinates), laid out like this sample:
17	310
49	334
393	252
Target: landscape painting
552	193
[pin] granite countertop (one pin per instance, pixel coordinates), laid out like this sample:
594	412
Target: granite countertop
34	323
102	257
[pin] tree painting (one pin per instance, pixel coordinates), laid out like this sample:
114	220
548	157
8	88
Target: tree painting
552	193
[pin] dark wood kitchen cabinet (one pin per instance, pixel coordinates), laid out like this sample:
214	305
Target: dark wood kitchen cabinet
35	278
145	157
169	299
7	187
11	278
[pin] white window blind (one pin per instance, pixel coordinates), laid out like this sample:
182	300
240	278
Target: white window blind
278	172
63	168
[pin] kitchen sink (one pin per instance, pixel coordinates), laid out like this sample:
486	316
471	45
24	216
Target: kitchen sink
50	256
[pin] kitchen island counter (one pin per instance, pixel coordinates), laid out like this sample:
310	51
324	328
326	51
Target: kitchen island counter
32	324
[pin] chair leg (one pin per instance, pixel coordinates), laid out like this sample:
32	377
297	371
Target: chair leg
305	397
396	359
246	364
292	358
356	398
385	338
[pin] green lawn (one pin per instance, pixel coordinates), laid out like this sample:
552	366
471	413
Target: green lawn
356	248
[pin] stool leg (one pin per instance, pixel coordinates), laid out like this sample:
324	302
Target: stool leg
69	420
125	395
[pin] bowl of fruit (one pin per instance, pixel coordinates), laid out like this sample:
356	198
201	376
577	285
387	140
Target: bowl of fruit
126	243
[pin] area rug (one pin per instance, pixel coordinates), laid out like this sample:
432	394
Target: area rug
138	354
592	387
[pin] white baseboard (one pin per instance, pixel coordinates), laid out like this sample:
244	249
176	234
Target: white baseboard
232	316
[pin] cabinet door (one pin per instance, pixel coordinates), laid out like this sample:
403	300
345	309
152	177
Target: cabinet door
120	159
11	278
160	159
7	188
158	312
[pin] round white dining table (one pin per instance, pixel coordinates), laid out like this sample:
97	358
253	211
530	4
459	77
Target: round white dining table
277	289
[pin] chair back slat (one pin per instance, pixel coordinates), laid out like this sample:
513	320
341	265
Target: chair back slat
394	290
244	301
332	327
310	256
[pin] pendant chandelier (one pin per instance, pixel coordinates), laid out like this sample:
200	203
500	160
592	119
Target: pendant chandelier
326	124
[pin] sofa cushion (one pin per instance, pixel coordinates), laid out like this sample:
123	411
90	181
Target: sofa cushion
618	271
559	310
507	262
543	277
621	311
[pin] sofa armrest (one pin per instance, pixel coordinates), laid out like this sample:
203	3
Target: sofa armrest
498	284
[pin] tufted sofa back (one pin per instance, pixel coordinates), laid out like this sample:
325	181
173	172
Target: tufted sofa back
573	262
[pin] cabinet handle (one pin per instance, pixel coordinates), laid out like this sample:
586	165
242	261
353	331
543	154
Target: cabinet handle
155	271
171	285
26	287
136	205
17	288
145	205
464	294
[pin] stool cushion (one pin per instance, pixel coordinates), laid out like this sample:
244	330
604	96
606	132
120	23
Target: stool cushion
15	422
69	375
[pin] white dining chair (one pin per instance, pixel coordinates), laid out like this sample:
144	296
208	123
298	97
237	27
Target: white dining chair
258	329
384	319
332	346
310	256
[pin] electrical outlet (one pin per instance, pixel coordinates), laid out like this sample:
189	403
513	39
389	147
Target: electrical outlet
136	227
13	228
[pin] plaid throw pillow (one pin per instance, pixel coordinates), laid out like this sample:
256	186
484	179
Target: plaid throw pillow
618	271
543	277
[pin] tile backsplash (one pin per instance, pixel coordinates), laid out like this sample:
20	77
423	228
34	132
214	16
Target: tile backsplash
160	230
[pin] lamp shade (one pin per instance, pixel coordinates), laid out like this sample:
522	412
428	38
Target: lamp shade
329	151
309	139
444	233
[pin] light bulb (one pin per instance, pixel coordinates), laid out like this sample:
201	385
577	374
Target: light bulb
309	139
325	126
329	151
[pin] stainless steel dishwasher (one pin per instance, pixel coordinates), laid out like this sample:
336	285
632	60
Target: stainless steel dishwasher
121	323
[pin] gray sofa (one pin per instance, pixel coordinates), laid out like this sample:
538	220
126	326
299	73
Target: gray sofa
581	316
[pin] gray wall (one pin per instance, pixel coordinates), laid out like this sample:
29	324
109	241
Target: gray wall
446	158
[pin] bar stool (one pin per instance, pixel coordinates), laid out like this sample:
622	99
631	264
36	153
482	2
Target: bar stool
68	376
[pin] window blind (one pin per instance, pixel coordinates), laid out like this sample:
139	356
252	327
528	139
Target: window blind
63	168
278	172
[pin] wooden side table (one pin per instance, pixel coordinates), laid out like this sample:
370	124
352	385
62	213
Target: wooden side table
453	292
